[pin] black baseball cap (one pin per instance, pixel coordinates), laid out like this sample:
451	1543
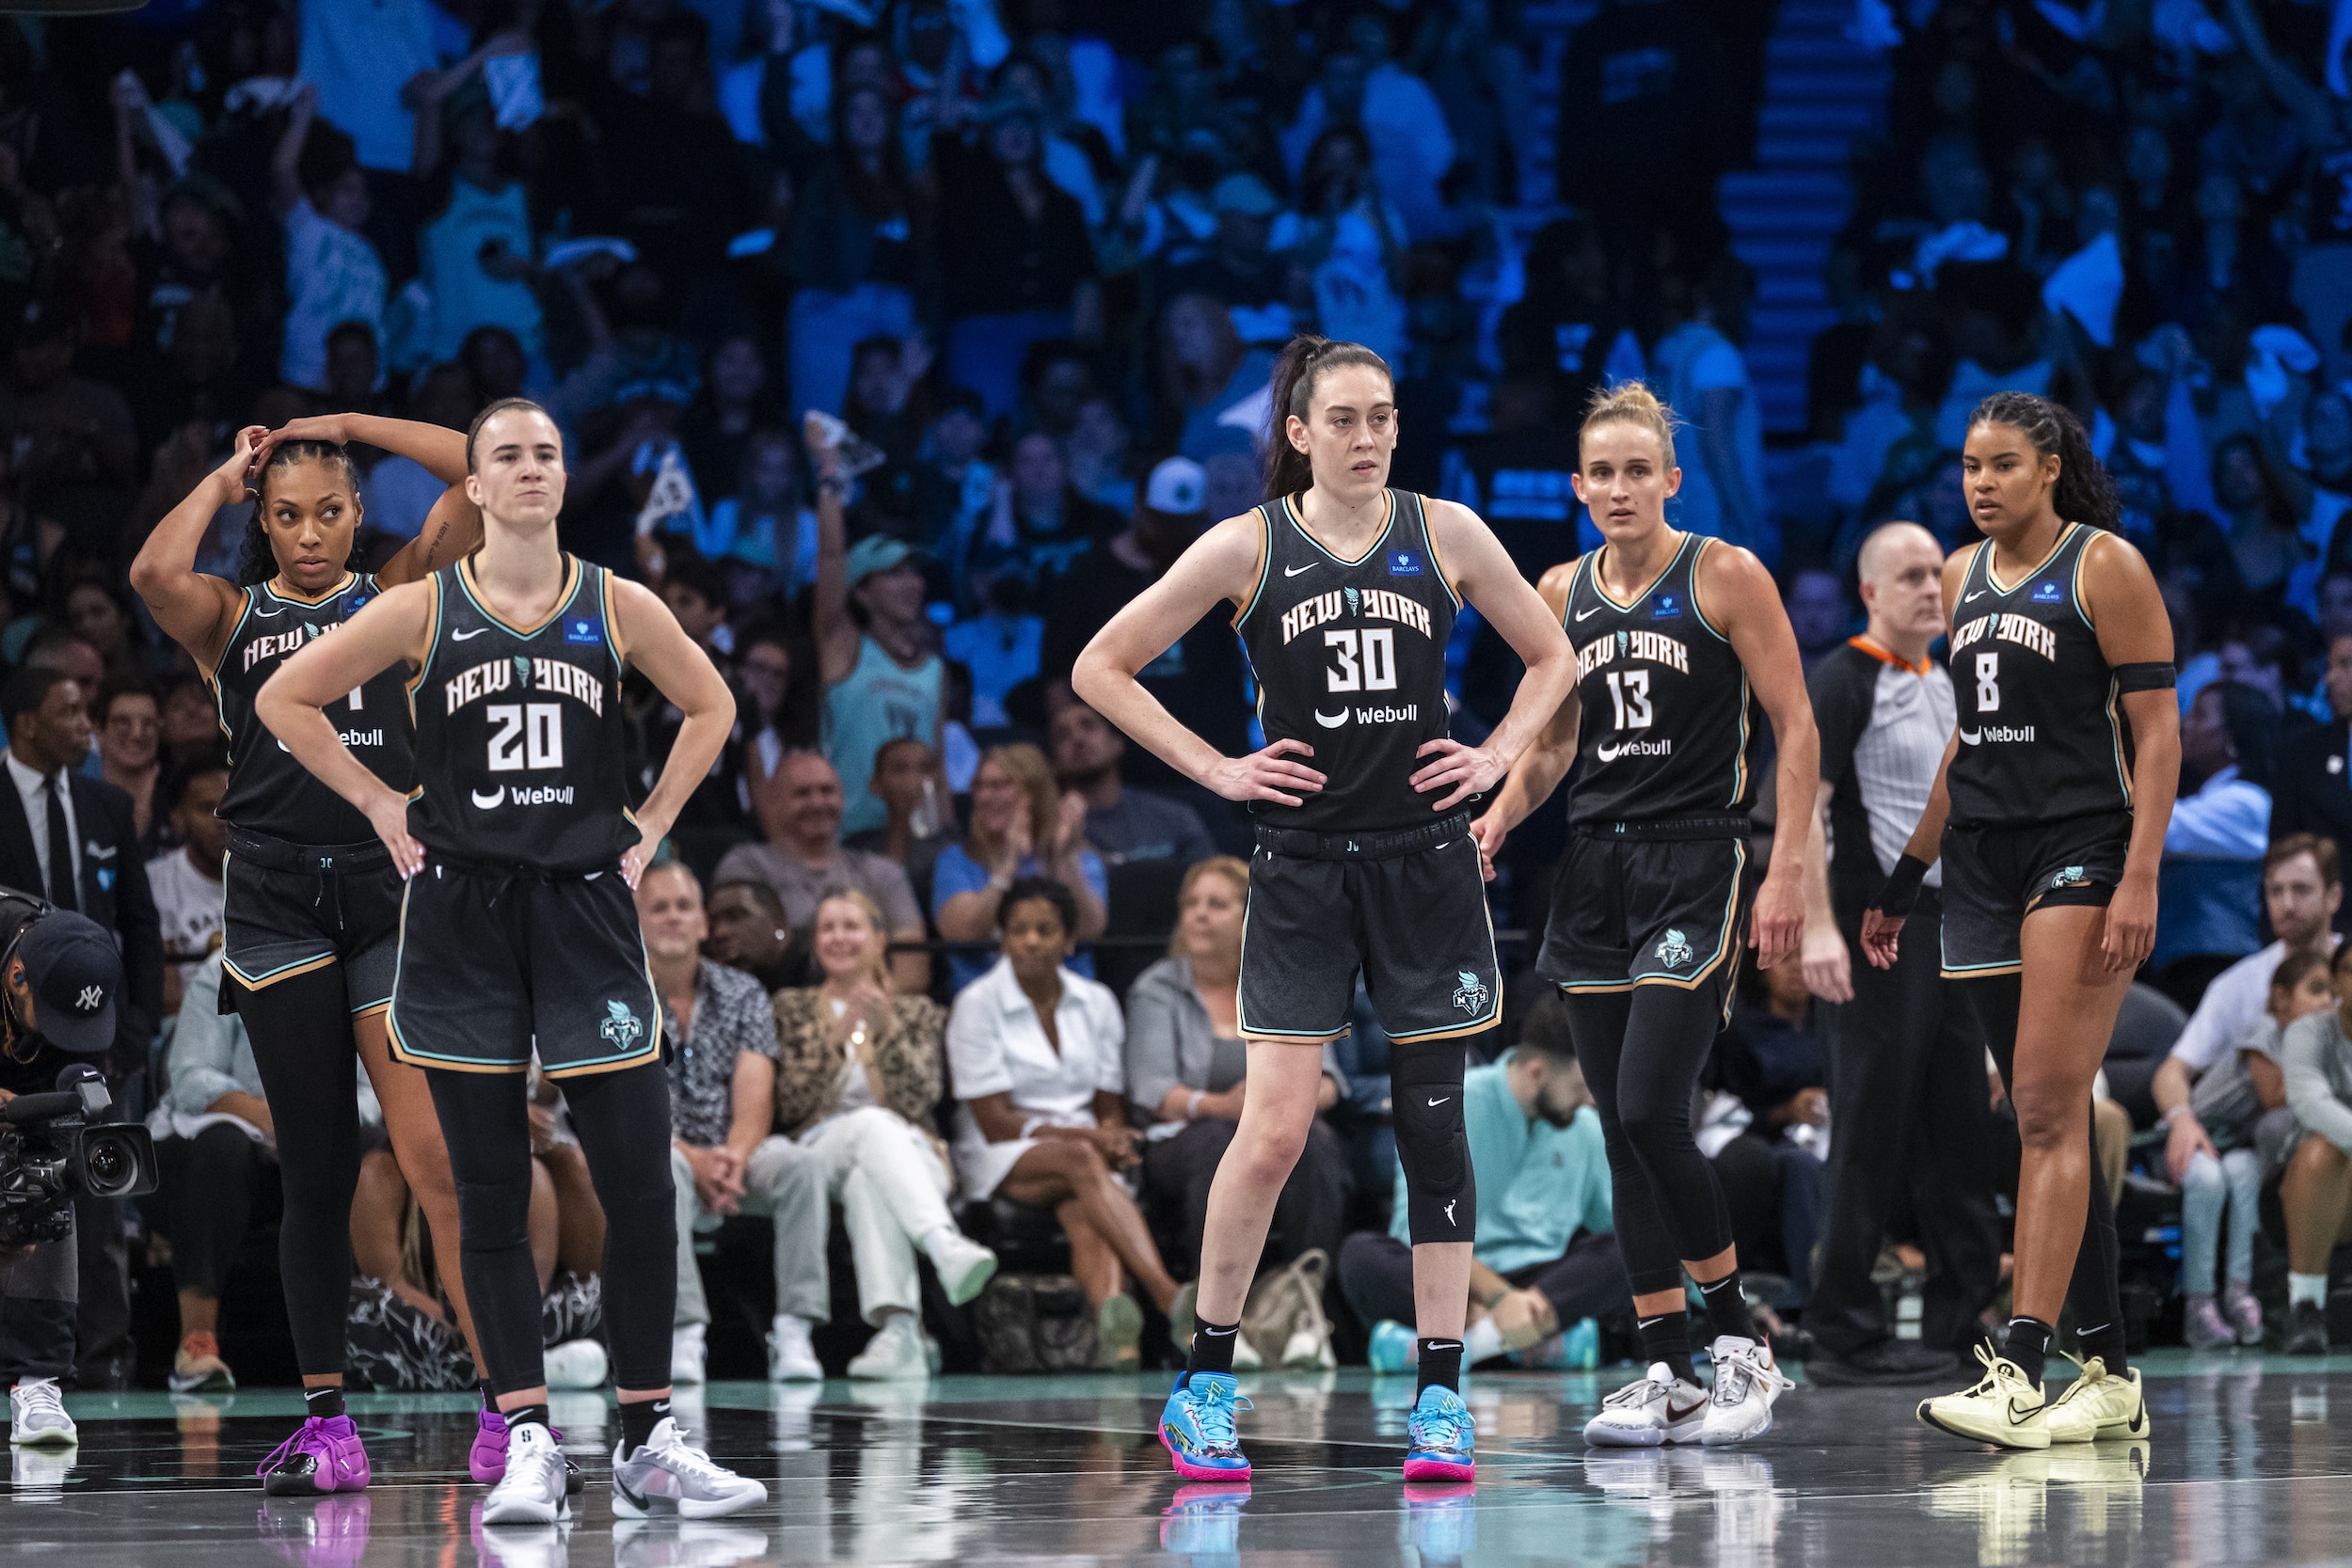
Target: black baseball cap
72	967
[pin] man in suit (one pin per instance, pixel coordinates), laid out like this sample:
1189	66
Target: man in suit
2312	793
72	840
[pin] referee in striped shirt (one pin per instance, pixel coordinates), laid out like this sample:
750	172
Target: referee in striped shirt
1908	1102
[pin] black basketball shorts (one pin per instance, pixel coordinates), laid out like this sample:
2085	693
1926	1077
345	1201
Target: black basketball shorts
1994	877
288	908
1406	910
495	959
1651	907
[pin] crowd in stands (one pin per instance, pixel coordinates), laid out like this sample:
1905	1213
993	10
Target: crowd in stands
900	342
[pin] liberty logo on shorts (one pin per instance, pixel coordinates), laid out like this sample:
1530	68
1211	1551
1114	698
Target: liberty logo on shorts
2072	876
1674	949
1472	994
621	1027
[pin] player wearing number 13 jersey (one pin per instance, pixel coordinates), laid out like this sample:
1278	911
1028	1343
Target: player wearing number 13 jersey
1680	639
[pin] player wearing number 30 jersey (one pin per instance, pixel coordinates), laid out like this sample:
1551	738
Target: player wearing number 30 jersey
1678	641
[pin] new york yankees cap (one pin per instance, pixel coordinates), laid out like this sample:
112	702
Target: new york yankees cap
72	967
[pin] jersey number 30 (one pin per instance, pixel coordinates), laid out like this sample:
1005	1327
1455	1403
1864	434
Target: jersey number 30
529	735
1378	671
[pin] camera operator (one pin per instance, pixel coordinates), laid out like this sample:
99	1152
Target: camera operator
59	975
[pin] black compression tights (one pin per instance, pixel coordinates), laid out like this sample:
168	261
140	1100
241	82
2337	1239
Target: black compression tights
2095	1291
623	1121
1641	1051
300	1028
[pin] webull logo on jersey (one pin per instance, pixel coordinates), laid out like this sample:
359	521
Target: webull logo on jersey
559	677
1405	715
1370	604
522	795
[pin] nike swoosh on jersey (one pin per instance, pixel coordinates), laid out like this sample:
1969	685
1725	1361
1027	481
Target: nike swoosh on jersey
1294	571
265	615
1331	721
1972	598
1588	614
461	636
1967	739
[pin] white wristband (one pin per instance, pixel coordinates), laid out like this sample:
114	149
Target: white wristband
1192	1110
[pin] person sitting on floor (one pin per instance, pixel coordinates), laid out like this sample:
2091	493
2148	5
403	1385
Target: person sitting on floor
858	1072
1547	1249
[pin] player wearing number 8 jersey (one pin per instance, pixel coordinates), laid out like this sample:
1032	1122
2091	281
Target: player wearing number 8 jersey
1678	641
1344	592
2049	814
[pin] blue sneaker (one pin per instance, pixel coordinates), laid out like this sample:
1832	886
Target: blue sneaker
1440	1438
1196	1427
1391	1346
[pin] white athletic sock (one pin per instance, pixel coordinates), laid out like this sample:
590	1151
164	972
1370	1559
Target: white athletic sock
2306	1286
1482	1341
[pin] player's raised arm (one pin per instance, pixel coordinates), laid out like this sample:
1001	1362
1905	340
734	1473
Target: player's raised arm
293	701
195	609
1489	581
651	639
1222	564
1541	765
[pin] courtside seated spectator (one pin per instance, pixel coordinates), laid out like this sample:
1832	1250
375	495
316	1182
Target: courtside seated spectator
1123	824
186	881
1020	830
2209	884
2315	1195
749	932
922	823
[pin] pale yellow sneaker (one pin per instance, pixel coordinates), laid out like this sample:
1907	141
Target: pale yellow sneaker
2095	1407
2003	1409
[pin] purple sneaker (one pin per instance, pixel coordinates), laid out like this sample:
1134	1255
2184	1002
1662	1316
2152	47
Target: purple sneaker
486	1460
324	1455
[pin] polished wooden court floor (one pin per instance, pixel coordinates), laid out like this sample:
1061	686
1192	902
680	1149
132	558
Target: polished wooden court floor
2250	1461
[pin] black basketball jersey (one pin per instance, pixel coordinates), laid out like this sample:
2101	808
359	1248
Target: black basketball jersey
1349	657
268	791
522	751
2042	727
1669	724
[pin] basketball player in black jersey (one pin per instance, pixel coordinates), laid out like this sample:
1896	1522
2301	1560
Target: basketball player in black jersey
2049	813
518	931
1680	639
312	899
1345	591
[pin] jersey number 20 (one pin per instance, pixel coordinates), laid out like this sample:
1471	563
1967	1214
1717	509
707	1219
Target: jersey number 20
1378	669
529	735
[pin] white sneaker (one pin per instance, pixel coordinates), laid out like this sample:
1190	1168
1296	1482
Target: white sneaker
582	1364
1308	1351
895	1352
790	1357
1746	1384
1246	1356
965	1266
531	1490
688	1351
1655	1408
669	1475
37	1416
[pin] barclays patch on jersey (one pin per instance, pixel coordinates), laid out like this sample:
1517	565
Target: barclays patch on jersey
1666	607
580	628
1404	563
2048	593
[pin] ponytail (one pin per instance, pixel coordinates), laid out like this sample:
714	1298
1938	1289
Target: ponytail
1292	388
2084	492
256	561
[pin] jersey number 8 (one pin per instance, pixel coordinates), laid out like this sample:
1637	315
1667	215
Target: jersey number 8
1378	671
529	735
1988	682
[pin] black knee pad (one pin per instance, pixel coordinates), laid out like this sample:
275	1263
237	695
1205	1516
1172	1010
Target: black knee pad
493	1217
1425	1104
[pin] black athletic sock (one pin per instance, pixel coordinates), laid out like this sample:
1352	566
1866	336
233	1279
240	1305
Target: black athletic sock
1212	1346
1439	1363
2029	1346
1667	1338
489	1401
524	1413
638	1419
2105	1342
323	1402
1727	1308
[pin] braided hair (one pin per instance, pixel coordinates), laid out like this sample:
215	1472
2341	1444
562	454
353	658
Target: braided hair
1302	362
256	561
2084	492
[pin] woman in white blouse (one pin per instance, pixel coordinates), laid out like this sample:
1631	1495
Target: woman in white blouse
1037	1056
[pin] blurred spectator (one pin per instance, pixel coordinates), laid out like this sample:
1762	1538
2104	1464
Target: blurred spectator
186	881
1020	833
1644	87
1772	1171
1124	825
1547	1249
1411	146
1040	525
734	407
333	273
860	232
477	256
906	781
1703	376
130	743
859	1073
999	646
1186	1065
1239	268
762	520
1818	613
399	493
1351	244
1034	1050
2315	1195
372	58
749	932
804	861
2313	795
76	444
2209	894
776	711
723	1075
1210	378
